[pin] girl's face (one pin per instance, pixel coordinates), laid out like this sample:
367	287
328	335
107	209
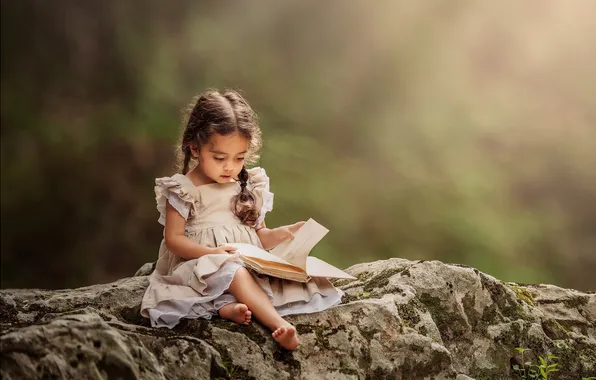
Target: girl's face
222	158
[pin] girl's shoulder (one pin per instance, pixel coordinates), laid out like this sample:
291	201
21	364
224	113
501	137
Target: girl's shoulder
179	185
258	182
257	178
179	191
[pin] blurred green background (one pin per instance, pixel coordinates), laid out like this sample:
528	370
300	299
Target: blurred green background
461	131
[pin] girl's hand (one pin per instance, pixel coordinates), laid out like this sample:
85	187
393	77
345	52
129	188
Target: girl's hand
270	238
223	249
280	234
295	227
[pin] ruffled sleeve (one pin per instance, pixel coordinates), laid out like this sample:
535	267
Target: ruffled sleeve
172	190
259	184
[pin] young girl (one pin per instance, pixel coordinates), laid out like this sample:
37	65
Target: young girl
214	202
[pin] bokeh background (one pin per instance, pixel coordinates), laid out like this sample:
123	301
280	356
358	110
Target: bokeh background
462	131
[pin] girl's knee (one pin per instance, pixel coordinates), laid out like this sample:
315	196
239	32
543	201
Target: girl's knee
242	272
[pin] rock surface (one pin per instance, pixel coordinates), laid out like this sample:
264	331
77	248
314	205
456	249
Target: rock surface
400	320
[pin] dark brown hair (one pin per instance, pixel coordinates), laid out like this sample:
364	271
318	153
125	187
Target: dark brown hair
223	113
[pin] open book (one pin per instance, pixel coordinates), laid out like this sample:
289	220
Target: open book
290	259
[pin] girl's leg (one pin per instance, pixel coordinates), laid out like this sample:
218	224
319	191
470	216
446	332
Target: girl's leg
247	291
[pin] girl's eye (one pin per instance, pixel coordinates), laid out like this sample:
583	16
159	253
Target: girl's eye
240	158
219	158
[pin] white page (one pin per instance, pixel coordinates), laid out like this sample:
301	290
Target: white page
296	251
318	268
254	251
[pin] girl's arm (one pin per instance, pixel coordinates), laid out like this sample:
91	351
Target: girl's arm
272	237
179	244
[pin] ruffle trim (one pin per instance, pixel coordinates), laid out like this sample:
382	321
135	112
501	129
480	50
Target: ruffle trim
169	189
257	178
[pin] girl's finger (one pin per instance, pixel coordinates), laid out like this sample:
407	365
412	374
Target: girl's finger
296	226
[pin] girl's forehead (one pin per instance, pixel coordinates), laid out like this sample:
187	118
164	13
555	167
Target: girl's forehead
232	143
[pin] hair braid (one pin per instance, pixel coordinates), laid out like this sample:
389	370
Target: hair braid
186	161
244	204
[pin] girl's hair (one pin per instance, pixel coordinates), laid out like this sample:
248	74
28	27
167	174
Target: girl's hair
223	113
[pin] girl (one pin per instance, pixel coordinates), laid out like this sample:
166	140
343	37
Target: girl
213	202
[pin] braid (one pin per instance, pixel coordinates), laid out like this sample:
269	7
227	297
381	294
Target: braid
244	204
187	156
189	136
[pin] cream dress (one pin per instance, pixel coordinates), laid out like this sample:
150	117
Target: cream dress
196	288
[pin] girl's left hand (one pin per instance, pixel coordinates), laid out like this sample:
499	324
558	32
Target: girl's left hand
280	234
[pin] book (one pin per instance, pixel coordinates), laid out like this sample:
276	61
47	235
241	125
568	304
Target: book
290	260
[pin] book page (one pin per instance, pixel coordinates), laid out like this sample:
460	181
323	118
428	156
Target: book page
316	267
256	252
296	251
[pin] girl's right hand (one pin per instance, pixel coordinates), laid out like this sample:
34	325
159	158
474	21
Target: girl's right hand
223	249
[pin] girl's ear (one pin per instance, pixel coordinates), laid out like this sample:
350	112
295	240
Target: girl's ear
194	151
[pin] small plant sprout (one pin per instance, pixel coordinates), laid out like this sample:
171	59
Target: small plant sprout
529	370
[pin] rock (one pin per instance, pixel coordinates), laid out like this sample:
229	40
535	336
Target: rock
400	320
145	270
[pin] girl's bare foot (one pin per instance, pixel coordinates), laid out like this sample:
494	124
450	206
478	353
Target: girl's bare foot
237	312
286	337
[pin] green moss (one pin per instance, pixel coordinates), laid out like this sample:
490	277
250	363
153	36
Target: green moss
382	279
576	359
522	294
575	302
367	333
450	324
359	296
508	306
491	316
574	325
321	333
321	339
394	290
553	329
340	282
514	335
303	329
408	314
363	276
347	298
